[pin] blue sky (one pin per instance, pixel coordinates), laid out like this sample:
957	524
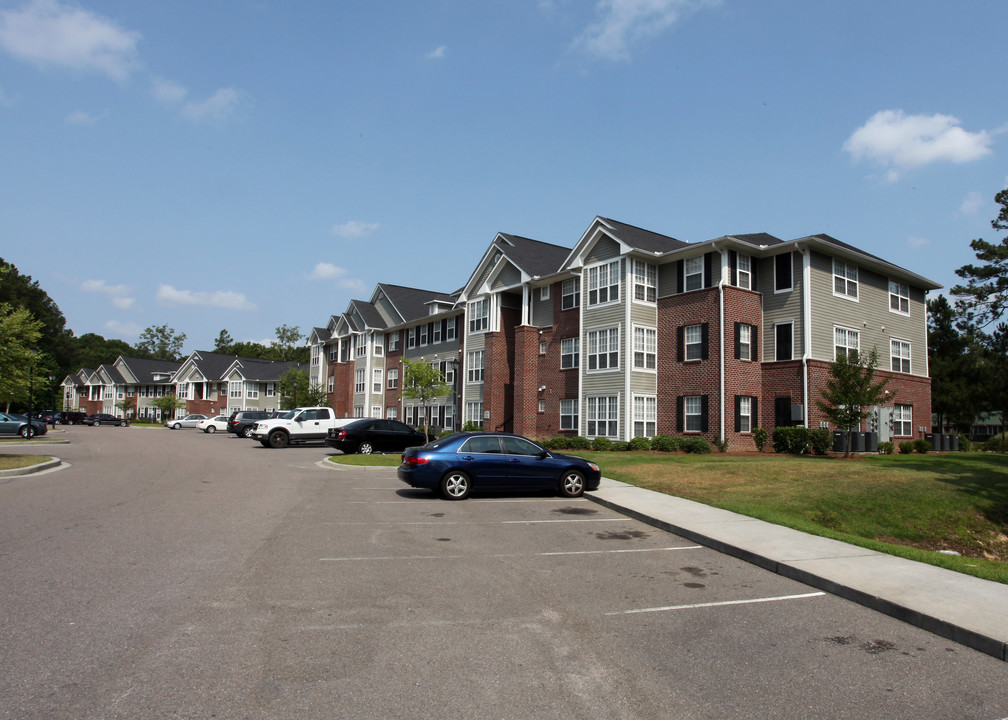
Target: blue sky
245	164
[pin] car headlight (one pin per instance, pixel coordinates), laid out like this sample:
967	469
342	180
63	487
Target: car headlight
594	467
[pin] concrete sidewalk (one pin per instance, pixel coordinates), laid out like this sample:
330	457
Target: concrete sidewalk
959	607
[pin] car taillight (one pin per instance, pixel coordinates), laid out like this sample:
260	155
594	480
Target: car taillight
341	434
413	459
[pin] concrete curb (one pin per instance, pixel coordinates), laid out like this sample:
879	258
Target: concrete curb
959	607
50	464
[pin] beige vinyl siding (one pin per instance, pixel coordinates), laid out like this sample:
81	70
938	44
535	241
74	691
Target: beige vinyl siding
482	278
509	276
386	310
782	307
643	383
542	310
475	341
667	278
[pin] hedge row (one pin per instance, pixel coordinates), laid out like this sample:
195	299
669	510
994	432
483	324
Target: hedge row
661	443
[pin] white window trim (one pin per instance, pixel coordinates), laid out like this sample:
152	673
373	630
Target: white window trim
544	292
739	271
899	286
856	280
892	355
687	344
745	412
850	331
576	415
576	354
592	273
609	346
790	287
648	404
649	280
575	295
654	334
687	274
687	414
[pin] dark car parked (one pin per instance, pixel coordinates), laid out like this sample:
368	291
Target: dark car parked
458	464
11	424
372	435
241	421
70	418
105	419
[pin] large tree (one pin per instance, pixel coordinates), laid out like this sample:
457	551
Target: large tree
19	358
55	340
954	363
161	343
297	391
94	350
286	346
851	391
983	299
223	341
424	382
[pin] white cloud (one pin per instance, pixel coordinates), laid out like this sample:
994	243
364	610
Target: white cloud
219	107
168	92
354	229
900	142
119	295
917	242
437	53
49	33
123	329
624	22
972	204
79	117
223	299
328	271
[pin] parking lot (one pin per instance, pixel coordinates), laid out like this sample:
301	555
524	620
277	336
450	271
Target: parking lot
177	574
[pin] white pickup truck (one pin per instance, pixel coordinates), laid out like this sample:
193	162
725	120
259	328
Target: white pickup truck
297	426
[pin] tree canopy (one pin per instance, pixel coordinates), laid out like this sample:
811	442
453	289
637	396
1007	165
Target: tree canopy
424	382
55	340
161	343
851	390
983	299
19	334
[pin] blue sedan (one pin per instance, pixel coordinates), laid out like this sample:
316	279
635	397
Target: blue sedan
458	464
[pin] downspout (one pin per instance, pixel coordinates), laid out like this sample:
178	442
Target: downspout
721	333
806	327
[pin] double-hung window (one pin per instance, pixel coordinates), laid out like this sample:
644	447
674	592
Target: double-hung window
569	415
743	271
845	279
603	349
693	338
603	283
899	351
479	315
693	413
645	348
474	413
645	415
393	340
845	340
570	293
234	389
570	351
603	416
359	381
474	367
379	344
744	414
902	420
693	272
899	297
376	382
393	378
744	341
645	281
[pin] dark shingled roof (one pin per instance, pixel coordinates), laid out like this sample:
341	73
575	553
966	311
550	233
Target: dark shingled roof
412	302
265	370
757	239
372	318
536	258
641	239
144	369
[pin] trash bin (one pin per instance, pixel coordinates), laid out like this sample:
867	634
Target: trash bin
871	442
946	440
858	442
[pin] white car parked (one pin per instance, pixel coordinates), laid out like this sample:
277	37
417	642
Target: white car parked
212	425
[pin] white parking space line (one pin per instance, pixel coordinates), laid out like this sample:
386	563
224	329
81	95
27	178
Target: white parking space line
505	555
717	604
433	523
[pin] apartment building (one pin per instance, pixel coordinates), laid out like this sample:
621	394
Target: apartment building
101	389
634	333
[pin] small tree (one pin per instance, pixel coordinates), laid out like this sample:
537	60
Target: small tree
424	382
168	404
160	343
126	404
297	391
223	342
851	390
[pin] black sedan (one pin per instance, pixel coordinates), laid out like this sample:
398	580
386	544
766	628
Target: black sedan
372	435
458	464
105	419
11	424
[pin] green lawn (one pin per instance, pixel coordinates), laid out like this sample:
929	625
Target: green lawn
9	462
906	505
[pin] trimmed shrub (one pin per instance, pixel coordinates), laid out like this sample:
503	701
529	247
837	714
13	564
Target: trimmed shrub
470	426
759	436
886	448
996	444
964	443
619	446
821	440
579	442
720	443
697	445
558	443
601	444
663	443
922	446
791	440
639	443
906	447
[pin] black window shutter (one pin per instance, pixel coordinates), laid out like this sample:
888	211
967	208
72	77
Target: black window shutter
705	340
754	343
704	415
680	339
733	264
738	341
679	409
708	269
754	418
752	272
738	413
680	269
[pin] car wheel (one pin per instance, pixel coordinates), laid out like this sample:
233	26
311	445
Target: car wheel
122	423
365	448
456	485
176	426
572	484
210	429
264	443
277	439
23	432
247	431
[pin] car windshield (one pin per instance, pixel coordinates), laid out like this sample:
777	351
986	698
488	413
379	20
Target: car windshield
288	415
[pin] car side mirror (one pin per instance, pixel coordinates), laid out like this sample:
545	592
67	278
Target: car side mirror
544	454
